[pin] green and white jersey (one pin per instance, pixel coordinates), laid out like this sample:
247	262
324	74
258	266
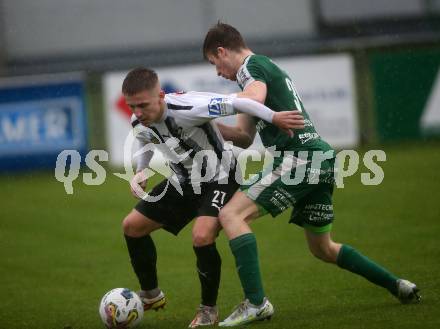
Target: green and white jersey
281	96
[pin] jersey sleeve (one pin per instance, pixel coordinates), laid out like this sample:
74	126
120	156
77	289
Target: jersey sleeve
250	72
222	105
214	107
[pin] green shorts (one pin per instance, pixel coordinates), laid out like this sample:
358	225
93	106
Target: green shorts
310	194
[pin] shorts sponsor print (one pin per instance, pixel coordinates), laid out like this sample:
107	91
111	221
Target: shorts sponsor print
308	190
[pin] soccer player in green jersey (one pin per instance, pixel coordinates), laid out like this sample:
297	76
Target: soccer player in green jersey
305	156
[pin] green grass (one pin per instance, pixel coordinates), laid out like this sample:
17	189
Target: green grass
60	253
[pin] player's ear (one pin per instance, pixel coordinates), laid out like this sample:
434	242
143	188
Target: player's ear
162	94
221	52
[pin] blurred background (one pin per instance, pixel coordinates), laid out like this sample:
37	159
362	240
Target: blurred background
368	74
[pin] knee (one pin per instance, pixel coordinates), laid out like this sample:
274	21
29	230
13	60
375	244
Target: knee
127	226
132	228
202	238
226	216
325	252
322	253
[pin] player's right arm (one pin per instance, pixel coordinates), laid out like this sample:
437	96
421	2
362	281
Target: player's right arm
139	180
243	134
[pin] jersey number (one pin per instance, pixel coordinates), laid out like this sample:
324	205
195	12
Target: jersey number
218	199
295	94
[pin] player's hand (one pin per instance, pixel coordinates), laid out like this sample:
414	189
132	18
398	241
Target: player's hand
288	120
138	184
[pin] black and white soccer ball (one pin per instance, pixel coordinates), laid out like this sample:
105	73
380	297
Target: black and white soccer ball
121	308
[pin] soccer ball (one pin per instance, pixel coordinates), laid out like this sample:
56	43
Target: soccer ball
121	308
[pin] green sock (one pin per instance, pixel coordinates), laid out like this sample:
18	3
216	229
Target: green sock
245	251
353	261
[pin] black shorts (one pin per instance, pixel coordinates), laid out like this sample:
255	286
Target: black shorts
174	211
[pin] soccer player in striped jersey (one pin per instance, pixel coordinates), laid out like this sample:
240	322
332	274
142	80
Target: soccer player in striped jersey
202	180
262	80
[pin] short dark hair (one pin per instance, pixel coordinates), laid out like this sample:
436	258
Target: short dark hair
138	80
222	35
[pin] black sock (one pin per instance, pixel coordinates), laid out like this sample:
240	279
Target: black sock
143	257
209	268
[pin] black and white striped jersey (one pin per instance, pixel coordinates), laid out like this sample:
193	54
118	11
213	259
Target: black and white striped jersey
186	129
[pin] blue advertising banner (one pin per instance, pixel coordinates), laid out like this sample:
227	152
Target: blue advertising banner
39	118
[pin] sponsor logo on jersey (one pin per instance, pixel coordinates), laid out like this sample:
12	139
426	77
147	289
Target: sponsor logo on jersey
242	77
308	123
216	107
304	138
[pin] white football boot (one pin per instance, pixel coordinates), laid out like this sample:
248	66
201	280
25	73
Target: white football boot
407	292
247	312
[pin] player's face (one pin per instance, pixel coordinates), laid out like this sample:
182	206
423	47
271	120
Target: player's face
224	63
147	105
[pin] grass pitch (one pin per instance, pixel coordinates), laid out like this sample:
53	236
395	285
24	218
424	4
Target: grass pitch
60	253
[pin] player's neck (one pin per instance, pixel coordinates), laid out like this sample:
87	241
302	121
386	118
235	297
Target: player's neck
243	54
163	111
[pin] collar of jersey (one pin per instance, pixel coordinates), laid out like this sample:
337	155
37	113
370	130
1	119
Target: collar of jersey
245	59
244	62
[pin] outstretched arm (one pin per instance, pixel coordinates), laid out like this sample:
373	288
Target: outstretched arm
242	134
285	120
